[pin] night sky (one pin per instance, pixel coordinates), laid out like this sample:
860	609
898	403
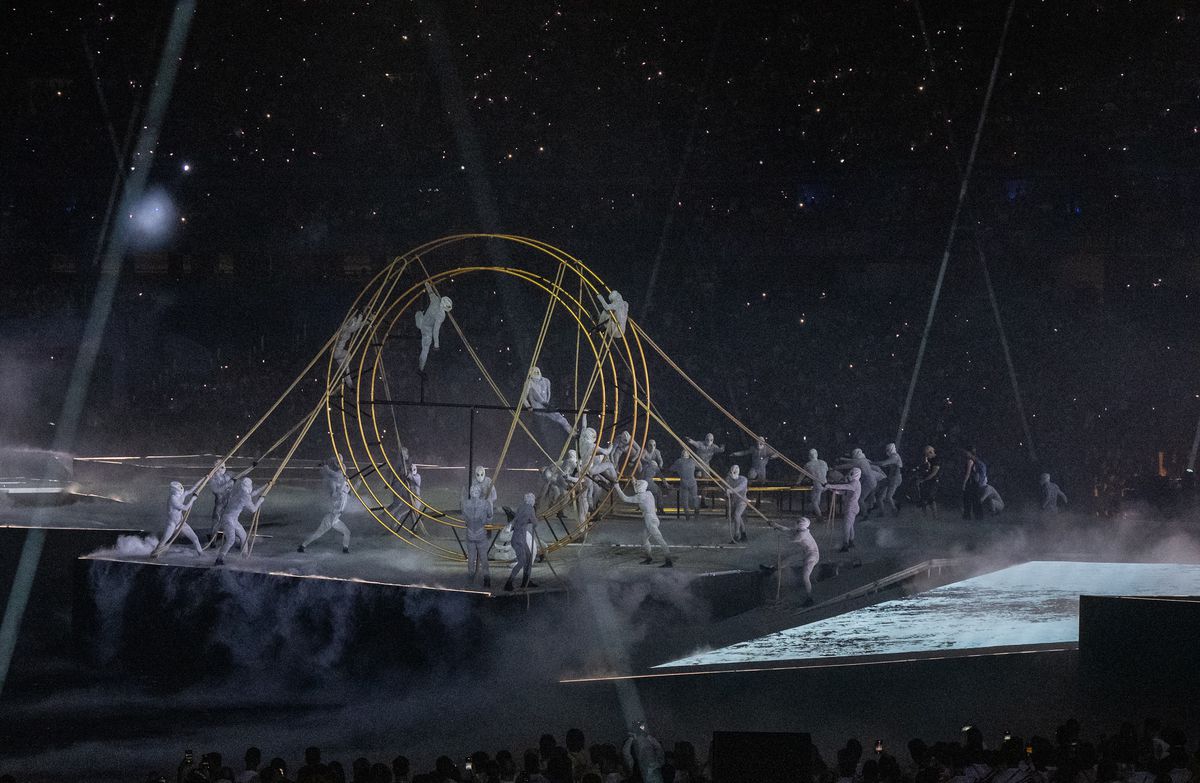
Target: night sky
329	126
787	168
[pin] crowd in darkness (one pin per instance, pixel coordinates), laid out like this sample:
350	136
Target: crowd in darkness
1149	753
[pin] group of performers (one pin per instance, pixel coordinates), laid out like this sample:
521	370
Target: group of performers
230	498
586	473
591	470
584	476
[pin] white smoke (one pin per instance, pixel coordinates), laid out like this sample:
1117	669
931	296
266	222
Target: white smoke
137	546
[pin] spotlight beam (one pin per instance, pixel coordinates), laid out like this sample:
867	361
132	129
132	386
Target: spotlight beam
93	333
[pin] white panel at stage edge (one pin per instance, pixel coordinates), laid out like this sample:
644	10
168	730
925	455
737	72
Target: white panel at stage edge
1030	604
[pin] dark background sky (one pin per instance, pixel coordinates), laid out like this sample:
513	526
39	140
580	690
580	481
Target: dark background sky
787	166
319	127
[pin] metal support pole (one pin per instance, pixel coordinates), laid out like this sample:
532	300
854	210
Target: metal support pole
459	541
471	450
460	405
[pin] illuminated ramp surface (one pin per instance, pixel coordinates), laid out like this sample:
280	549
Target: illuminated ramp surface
1031	606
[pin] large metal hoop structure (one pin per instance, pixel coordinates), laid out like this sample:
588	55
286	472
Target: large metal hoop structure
357	390
359	411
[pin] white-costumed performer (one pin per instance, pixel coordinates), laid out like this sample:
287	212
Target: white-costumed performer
337	494
851	489
537	399
430	322
180	503
807	556
645	501
738	486
243	496
523	542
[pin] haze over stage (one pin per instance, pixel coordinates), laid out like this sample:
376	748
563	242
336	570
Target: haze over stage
1027	607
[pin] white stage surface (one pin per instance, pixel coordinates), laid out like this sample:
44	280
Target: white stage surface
1024	608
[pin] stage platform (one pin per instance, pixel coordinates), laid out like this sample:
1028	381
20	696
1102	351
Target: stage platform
376	608
716	609
378	557
141	611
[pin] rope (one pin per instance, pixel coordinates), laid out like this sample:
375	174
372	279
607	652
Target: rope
248	544
671	362
958	207
538	281
537	352
335	381
495	388
392	408
487	377
163	545
688	147
705	468
575	381
987	276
